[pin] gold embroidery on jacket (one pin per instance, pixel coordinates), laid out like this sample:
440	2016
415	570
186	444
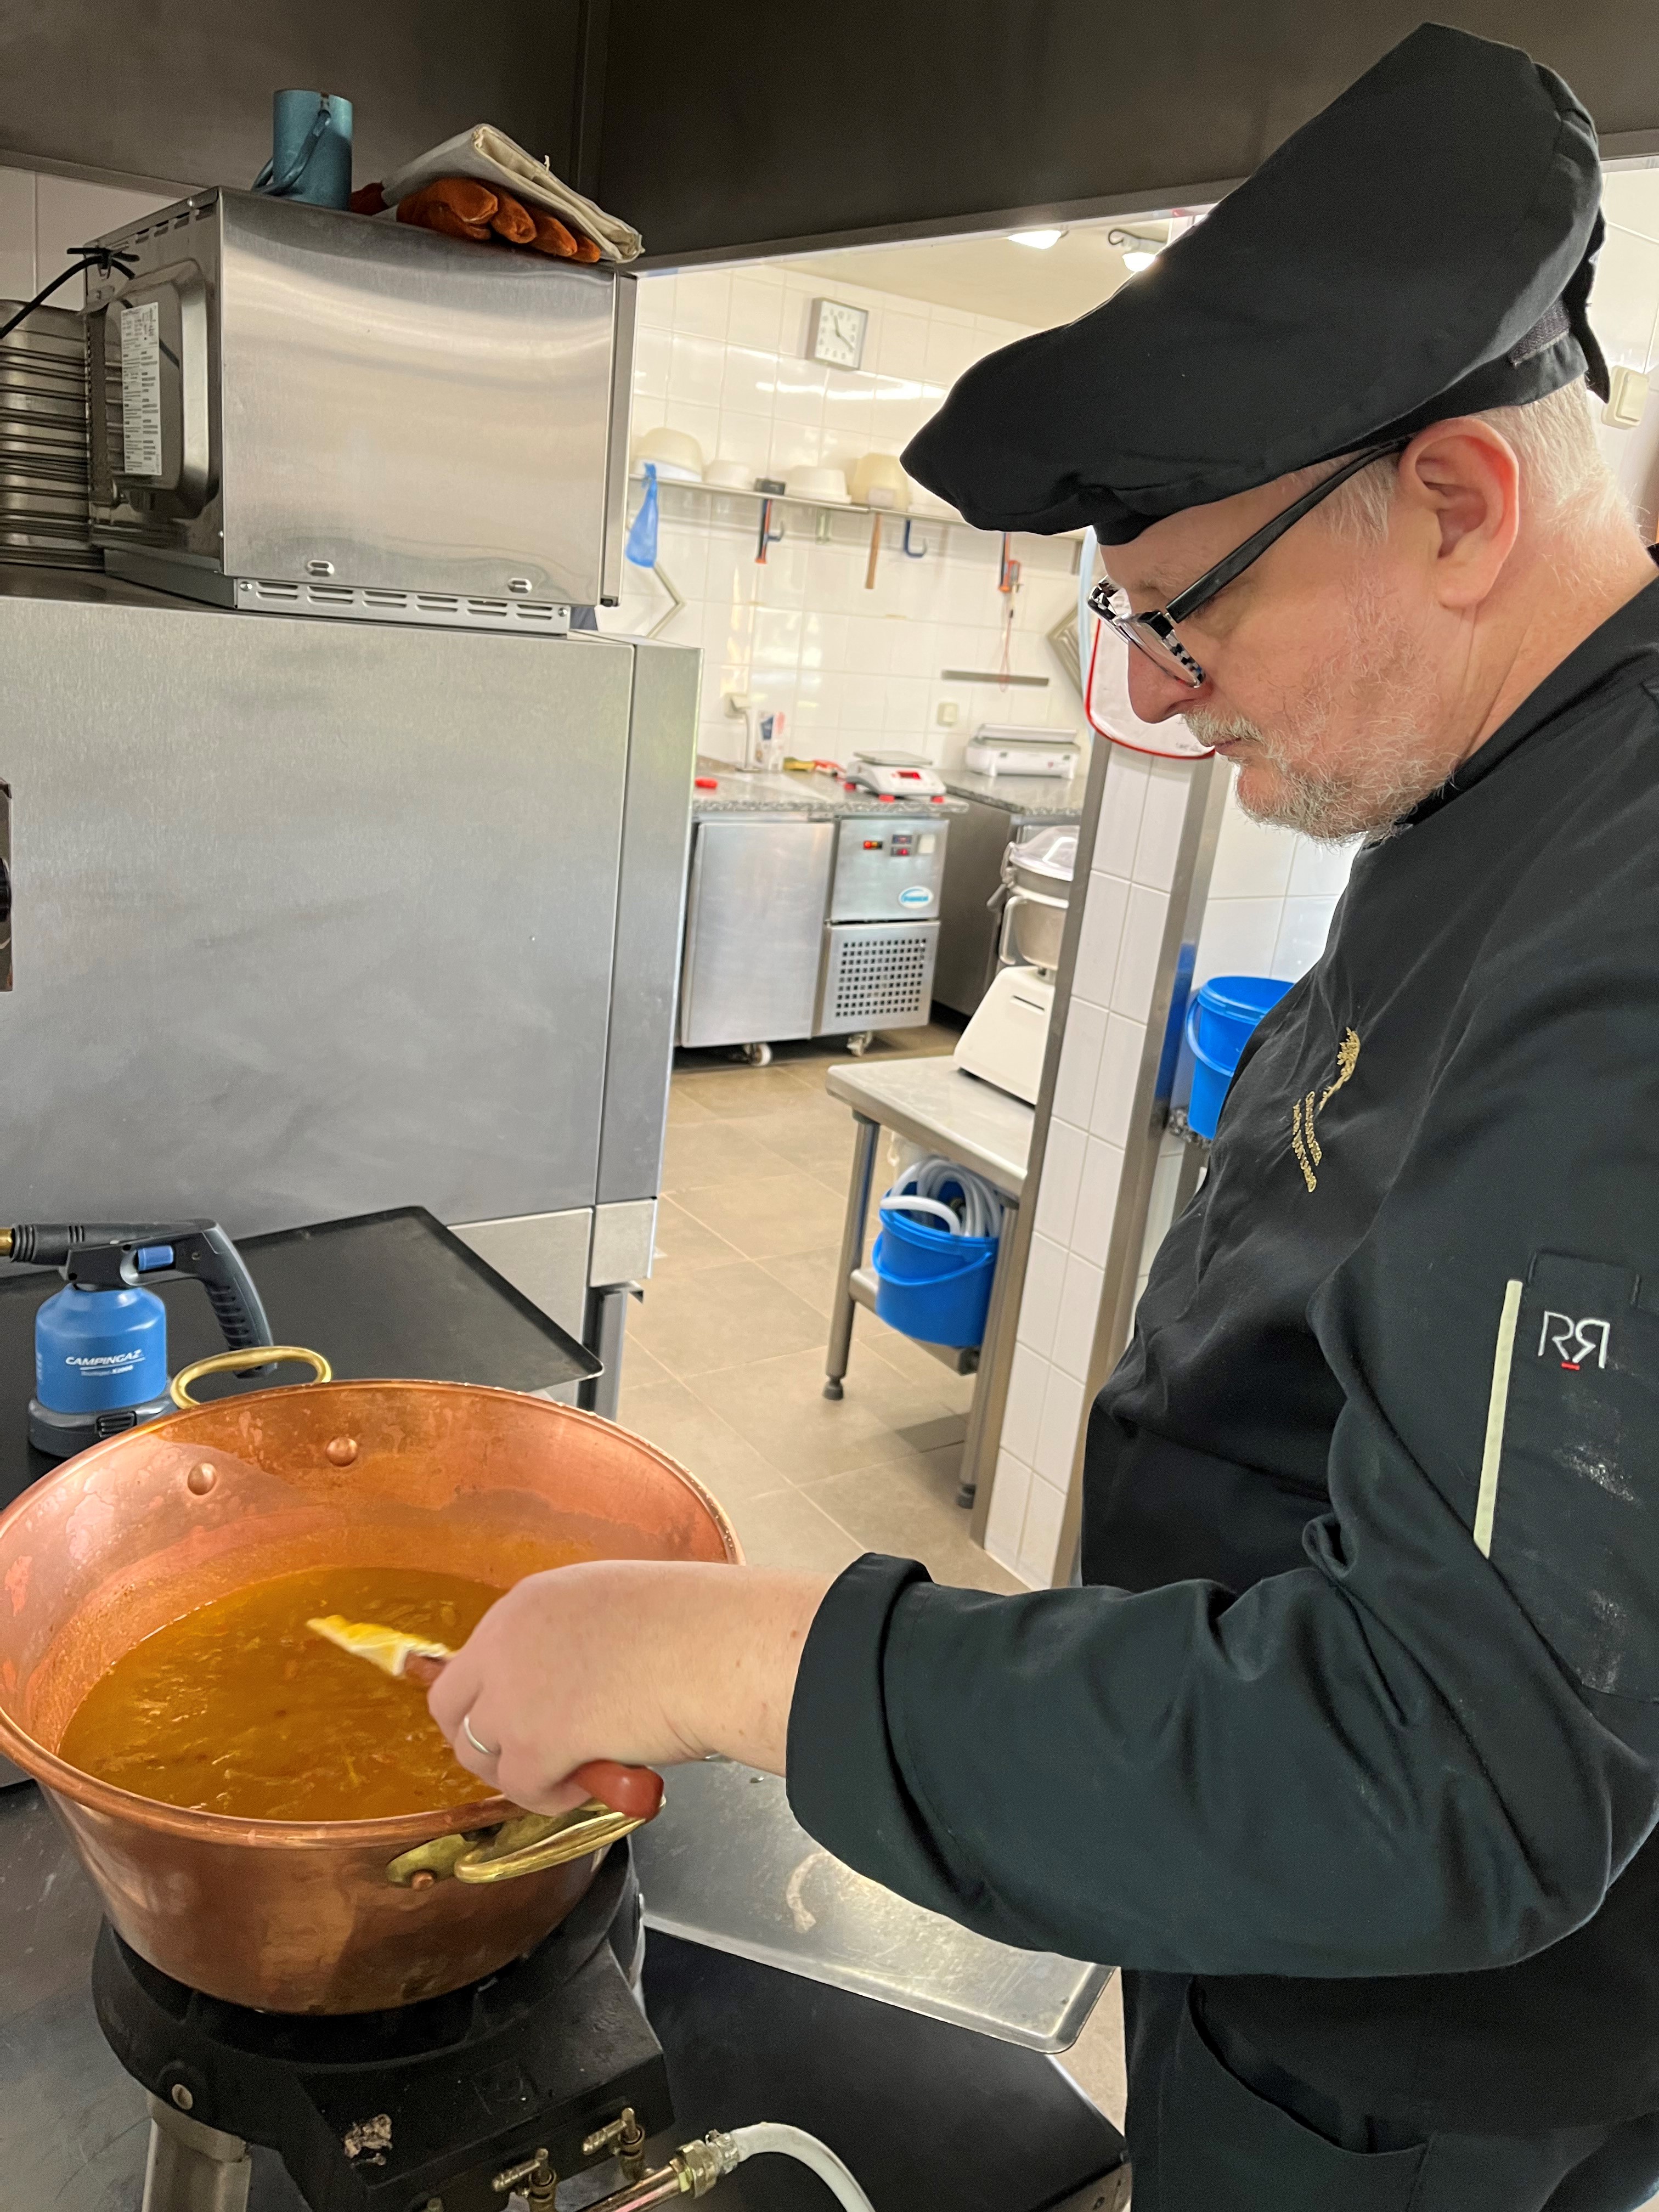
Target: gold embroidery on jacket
1309	1153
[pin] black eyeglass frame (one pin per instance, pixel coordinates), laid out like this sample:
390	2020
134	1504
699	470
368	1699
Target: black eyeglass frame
1162	620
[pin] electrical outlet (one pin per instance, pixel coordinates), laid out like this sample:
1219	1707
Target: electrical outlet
737	703
1626	399
949	713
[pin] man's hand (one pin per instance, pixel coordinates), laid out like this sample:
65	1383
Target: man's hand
645	1662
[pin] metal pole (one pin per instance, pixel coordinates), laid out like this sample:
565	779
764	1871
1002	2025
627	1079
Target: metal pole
852	1253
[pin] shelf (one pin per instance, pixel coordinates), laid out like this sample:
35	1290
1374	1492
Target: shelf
931	519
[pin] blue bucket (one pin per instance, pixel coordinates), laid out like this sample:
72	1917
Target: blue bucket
1222	1016
930	1284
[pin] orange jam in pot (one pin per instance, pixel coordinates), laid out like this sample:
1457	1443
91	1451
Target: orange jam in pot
239	1708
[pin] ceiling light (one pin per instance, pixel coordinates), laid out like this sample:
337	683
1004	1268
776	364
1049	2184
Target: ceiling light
1138	250
1040	239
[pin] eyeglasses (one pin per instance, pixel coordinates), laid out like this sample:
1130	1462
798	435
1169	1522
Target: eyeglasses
1154	632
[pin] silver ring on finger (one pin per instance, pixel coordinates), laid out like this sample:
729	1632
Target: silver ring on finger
483	1750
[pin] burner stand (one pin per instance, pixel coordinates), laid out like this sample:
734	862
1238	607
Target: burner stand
427	2105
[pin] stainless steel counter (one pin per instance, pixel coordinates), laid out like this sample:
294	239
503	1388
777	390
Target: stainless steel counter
725	1863
813	798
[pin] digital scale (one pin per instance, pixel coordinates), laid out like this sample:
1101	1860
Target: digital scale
895	776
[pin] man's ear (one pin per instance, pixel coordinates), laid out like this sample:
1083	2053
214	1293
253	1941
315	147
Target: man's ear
1459	484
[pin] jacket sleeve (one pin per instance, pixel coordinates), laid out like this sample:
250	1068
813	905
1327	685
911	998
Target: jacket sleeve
1433	1744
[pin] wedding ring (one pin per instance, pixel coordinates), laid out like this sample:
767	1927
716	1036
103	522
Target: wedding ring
484	1750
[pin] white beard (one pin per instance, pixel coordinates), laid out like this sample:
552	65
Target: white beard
1392	762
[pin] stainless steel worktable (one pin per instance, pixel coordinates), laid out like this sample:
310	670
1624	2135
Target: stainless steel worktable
933	1103
726	1863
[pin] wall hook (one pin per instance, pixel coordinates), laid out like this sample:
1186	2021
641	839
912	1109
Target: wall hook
768	535
912	552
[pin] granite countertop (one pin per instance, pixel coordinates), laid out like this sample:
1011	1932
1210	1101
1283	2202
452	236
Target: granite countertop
1033	798
811	797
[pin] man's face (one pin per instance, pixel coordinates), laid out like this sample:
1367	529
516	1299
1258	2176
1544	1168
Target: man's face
1322	665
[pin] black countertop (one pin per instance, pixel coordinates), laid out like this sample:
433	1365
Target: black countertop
392	1294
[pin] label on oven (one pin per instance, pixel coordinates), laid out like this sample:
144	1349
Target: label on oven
915	895
141	390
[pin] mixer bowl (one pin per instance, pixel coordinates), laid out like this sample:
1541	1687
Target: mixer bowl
282	1916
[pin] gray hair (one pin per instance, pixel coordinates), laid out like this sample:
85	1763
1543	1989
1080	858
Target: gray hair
1564	477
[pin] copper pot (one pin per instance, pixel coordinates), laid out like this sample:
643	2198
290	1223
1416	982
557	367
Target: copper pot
346	1916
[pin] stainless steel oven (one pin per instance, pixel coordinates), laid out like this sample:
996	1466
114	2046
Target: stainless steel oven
297	409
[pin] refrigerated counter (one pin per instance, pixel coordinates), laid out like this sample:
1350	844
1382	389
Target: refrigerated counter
811	911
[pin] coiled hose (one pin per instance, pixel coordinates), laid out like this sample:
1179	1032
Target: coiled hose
977	1212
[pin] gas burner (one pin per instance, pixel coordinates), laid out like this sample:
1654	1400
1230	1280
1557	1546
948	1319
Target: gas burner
451	2102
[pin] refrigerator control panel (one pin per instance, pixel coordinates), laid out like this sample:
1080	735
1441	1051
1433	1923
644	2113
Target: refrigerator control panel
888	870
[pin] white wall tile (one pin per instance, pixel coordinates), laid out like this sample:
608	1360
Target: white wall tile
1253	859
1136	960
702	301
1320	870
1302	935
1057	1433
697	370
1121	804
1079	1310
1005	1522
1165	810
1100	937
1028	1385
755	313
655	299
1237	938
1119	1070
17	277
1040	1539
1039	1303
1079	1061
1096	1203
1062	1172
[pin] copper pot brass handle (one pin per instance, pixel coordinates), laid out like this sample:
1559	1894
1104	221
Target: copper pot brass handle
528	1845
252	1355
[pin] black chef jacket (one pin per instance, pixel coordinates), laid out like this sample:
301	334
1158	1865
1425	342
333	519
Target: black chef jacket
1361	1724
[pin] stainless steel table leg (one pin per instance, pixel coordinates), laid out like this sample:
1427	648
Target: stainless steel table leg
852	1252
192	2168
973	1444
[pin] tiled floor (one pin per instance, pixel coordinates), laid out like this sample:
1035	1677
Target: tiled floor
724	1367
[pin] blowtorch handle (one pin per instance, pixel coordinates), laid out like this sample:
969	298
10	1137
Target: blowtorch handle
634	1791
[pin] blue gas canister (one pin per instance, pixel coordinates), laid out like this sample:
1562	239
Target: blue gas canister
101	1344
96	1351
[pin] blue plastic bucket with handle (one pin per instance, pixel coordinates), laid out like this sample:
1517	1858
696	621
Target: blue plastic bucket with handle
931	1284
1222	1016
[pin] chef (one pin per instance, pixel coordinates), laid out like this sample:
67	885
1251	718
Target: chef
1348	1749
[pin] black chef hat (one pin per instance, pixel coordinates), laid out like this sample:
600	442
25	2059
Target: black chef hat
1423	248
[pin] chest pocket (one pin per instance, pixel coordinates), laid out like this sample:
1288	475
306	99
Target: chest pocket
1568	1510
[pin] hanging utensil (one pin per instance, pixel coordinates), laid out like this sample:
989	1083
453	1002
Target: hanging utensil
875	551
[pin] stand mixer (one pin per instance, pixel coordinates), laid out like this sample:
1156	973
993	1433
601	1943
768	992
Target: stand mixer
1005	1042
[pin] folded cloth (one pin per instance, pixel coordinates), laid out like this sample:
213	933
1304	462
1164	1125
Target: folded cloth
491	156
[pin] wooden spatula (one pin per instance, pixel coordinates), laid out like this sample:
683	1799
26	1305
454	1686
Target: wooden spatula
635	1791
